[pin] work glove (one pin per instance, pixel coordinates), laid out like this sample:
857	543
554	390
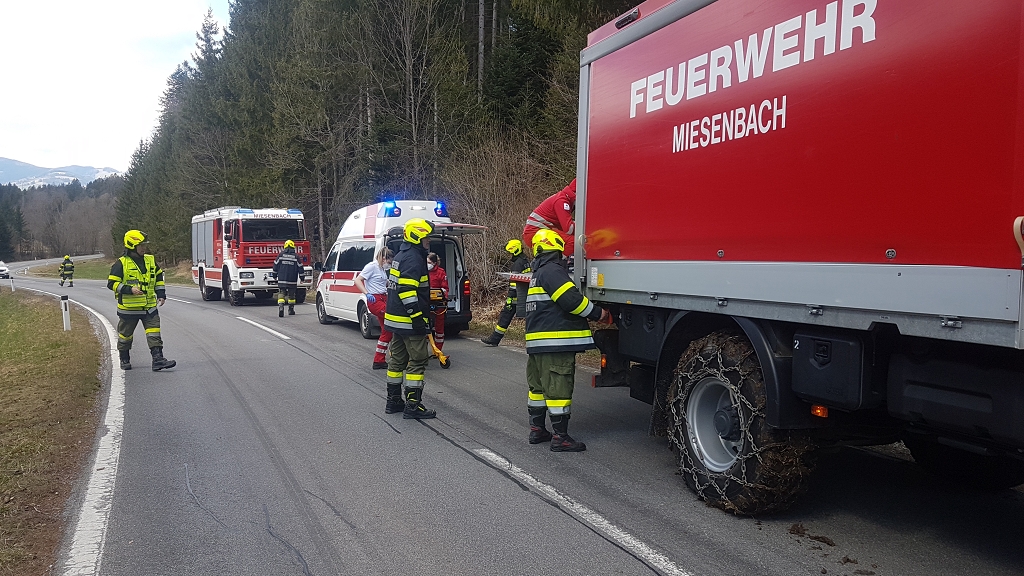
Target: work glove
371	298
606	317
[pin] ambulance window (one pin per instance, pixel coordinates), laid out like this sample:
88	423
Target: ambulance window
332	260
355	255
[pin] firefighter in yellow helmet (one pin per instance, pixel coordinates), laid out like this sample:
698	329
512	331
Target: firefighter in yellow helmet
67	271
520	264
138	285
406	316
289	271
556	329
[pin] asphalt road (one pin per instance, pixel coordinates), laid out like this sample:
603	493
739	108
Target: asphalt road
259	455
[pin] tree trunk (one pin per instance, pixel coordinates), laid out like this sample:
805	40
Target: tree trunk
480	52
494	27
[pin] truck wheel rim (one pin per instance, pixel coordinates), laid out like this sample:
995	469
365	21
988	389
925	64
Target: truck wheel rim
708	397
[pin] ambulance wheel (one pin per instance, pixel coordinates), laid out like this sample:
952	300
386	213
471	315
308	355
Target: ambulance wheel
300	295
365	321
728	454
321	312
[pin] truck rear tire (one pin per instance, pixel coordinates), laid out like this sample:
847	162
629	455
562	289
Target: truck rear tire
728	454
962	468
300	295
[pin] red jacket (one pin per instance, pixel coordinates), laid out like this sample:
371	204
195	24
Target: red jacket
438	279
554	213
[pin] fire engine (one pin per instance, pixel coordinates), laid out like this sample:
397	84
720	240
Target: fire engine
234	248
806	217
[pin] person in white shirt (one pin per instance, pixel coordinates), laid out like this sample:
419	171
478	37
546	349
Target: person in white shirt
372	280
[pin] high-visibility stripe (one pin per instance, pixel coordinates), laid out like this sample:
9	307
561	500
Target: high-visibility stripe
405	295
400	319
584	308
418	377
424	280
394	272
152	330
559	343
415	315
558	403
394	374
559	334
561	290
408	281
535	396
536	290
124	338
499	329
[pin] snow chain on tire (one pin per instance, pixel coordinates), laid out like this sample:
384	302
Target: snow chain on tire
771	466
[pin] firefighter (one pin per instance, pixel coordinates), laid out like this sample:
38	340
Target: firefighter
372	280
138	285
556	329
520	264
555	214
438	281
67	272
408	307
288	271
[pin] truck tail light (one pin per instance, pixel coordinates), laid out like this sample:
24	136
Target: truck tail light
465	288
819	411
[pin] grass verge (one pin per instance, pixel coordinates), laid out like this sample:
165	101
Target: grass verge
99	269
49	394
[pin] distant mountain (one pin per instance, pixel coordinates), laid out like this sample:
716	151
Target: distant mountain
25	175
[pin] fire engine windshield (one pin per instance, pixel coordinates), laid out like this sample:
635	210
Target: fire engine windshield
272	230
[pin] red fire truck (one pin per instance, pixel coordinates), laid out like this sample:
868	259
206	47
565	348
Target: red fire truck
233	251
806	215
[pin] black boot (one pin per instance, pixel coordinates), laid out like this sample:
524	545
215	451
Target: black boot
395	403
61	281
71	284
494	339
538	433
414	406
126	362
159	362
561	441
280	311
291	310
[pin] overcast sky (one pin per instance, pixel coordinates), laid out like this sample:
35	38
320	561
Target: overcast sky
81	80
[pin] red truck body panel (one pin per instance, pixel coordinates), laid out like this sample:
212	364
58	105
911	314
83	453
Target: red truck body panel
909	138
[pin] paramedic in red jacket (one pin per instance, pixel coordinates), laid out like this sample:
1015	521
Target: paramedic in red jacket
438	280
554	214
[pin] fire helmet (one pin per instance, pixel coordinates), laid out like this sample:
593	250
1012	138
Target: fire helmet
133	238
545	240
289	244
417	229
514	247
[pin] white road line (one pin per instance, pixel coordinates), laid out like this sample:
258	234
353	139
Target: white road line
586	515
177	300
262	327
90	531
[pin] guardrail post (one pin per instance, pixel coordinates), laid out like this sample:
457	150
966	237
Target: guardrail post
64	307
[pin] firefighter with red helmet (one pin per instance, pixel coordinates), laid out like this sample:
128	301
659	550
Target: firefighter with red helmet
556	330
520	264
138	285
556	214
406	315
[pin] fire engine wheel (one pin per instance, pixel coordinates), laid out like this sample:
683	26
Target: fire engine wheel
202	286
365	321
728	454
962	468
300	295
321	312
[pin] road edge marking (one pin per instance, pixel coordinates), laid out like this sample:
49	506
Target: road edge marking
592	519
262	327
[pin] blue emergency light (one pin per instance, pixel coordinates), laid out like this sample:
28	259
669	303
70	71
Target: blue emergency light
441	210
391	209
245	211
294	211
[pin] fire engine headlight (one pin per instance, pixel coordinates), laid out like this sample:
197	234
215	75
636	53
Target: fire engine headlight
246	275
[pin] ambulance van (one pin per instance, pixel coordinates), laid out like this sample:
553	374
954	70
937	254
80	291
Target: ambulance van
364	232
